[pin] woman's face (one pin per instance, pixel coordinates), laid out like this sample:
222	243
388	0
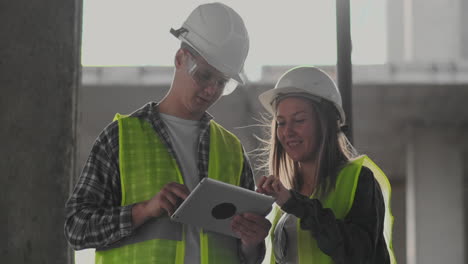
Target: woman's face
297	128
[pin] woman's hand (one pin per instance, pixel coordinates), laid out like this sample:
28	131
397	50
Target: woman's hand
272	185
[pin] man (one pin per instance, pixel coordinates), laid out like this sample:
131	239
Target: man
143	165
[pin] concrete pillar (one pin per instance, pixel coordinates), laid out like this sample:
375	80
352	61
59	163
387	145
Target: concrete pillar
464	29
39	75
435	216
395	31
427	31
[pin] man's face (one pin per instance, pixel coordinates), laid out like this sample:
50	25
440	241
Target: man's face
203	84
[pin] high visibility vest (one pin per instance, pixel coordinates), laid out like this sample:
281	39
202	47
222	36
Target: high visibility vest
145	167
340	201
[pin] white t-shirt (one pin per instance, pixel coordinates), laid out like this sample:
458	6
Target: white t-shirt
184	138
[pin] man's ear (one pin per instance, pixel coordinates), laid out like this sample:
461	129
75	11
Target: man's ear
180	58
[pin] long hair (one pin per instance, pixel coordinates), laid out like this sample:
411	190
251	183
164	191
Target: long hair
334	152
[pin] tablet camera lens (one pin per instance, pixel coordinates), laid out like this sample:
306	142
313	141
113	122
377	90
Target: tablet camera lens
223	210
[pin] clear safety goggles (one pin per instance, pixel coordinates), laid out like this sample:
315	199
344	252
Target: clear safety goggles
204	75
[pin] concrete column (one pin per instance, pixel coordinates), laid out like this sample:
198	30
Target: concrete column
464	29
395	32
39	75
427	31
435	216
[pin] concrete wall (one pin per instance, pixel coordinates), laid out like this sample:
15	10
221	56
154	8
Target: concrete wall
39	75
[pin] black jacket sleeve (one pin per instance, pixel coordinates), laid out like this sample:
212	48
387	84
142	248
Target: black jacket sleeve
358	238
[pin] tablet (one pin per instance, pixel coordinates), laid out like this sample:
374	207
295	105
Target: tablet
212	205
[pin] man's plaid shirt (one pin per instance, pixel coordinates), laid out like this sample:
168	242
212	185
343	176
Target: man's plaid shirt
94	215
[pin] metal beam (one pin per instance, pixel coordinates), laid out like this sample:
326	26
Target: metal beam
344	65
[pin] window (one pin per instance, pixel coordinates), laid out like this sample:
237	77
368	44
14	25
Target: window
136	33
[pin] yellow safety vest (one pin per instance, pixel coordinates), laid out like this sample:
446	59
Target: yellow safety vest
340	201
145	167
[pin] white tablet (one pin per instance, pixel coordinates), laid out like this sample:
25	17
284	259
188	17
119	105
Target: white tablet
212	205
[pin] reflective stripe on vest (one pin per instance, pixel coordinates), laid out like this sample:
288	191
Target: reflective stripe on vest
340	201
386	189
145	167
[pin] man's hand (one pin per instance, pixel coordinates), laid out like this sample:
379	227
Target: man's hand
165	201
251	228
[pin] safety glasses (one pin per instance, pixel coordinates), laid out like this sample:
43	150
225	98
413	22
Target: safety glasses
205	76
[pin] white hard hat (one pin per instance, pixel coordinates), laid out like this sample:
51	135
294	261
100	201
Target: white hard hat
305	81
219	35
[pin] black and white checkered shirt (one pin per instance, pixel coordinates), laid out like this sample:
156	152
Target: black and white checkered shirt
94	215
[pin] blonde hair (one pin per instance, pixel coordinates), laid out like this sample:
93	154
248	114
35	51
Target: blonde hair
334	152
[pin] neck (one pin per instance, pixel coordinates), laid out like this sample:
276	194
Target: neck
171	106
307	172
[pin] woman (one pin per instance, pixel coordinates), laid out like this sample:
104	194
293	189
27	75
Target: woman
332	205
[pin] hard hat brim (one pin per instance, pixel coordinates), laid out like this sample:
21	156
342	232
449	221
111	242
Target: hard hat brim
238	79
267	99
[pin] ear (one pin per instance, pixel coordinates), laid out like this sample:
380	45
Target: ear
180	58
